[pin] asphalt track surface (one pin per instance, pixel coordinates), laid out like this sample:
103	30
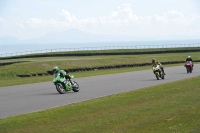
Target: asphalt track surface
22	99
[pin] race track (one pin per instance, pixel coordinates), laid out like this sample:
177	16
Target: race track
21	99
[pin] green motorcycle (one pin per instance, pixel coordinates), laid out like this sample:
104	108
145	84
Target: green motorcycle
62	84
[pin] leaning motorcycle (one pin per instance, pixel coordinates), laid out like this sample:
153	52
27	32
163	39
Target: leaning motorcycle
189	66
158	72
62	84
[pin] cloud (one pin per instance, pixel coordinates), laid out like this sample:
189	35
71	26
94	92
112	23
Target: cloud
122	17
175	17
68	16
125	12
120	22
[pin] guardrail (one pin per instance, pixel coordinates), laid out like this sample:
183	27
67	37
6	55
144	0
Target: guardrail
152	51
99	48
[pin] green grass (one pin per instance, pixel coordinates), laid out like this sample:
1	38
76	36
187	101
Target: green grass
167	108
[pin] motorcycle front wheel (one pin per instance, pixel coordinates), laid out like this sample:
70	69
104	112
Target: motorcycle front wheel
75	87
60	88
157	76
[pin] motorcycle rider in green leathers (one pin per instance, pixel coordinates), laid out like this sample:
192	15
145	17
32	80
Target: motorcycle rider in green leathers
62	73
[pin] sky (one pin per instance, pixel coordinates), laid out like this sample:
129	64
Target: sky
156	19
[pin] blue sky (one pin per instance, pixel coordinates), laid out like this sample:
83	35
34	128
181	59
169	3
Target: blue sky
157	19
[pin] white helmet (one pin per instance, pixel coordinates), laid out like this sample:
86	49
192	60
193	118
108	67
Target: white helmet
189	56
55	69
153	60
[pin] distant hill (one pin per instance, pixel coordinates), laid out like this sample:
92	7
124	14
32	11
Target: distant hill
68	36
9	40
77	36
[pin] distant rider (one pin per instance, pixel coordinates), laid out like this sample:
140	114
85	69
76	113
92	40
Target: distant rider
189	59
62	73
154	62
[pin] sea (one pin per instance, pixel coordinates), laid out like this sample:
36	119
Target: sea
21	49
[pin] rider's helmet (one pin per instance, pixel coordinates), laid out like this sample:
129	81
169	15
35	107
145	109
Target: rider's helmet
153	60
189	57
55	69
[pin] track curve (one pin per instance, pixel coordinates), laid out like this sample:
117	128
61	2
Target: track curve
21	99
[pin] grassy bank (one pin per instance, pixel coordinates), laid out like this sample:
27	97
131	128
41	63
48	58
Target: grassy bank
172	107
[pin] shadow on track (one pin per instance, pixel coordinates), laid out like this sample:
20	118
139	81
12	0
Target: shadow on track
56	93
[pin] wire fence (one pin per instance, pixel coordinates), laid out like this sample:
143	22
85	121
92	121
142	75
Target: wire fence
101	48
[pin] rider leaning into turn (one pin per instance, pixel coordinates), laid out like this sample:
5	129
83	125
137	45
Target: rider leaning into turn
62	73
157	63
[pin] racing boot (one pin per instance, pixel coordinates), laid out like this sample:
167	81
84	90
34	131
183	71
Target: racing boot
164	73
163	70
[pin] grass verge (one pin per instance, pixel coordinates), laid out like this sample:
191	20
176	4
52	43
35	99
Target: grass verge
172	107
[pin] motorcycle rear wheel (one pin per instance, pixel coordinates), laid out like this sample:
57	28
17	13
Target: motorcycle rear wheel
188	70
